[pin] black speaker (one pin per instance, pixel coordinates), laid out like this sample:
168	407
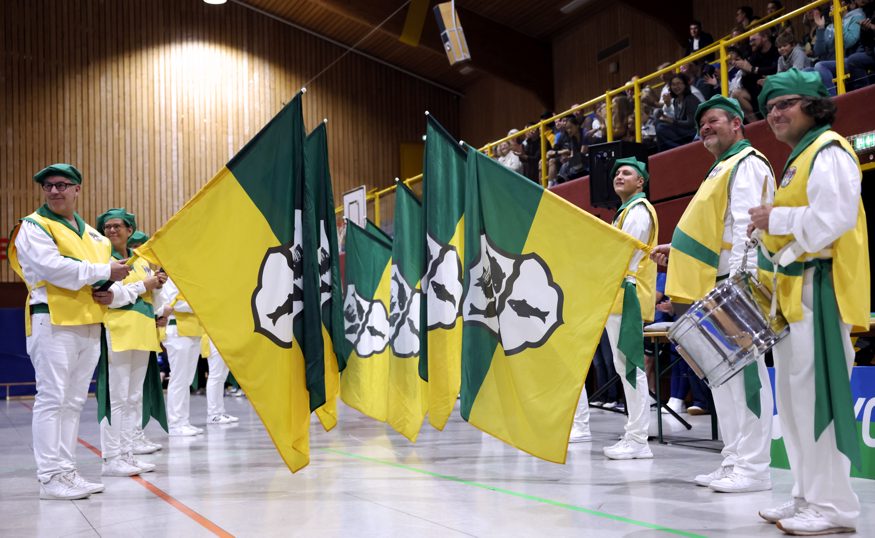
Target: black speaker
601	160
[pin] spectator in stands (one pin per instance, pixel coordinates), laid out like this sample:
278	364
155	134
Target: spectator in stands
790	53
677	125
772	9
860	63
762	62
594	126
621	108
824	45
551	127
743	46
508	158
744	16
699	40
666	88
571	152
707	84
531	153
734	54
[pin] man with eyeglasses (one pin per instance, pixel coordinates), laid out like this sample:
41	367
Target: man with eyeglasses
707	247
815	233
60	258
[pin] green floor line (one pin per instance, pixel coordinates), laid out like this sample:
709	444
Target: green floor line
605	515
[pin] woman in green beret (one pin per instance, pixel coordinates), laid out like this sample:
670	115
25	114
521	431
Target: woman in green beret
131	335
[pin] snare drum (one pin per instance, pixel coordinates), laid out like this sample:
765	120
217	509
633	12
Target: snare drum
728	329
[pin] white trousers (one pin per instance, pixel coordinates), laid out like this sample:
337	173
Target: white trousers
747	439
64	358
581	414
637	399
127	371
182	354
821	473
216	383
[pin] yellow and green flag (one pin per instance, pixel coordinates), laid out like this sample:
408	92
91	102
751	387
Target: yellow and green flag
235	251
541	276
364	381
407	399
443	196
319	209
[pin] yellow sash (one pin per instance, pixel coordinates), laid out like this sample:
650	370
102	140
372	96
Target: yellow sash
698	239
850	252
645	275
133	326
66	307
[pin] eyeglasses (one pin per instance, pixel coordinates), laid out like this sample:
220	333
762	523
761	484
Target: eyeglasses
782	105
60	187
110	227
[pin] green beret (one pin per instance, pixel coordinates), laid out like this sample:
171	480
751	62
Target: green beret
138	237
639	167
59	169
117	213
728	104
792	82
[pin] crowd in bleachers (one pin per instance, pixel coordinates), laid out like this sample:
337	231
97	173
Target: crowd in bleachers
667	109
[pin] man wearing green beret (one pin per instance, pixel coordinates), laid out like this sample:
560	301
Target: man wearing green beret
815	234
706	247
634	304
60	258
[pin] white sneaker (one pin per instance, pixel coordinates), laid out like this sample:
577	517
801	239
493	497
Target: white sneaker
183	431
117	466
144	446
222	419
61	488
610	405
196	429
142	465
580	435
78	481
786	510
628	450
676	405
705	480
738	483
810	522
597	403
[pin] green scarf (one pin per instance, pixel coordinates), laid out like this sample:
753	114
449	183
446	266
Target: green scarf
631	340
832	390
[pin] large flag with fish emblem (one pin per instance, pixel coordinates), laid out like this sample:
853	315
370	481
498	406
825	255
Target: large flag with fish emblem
319	206
407	401
235	252
443	197
541	277
364	382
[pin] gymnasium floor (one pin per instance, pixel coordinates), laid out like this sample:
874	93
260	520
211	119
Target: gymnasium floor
364	480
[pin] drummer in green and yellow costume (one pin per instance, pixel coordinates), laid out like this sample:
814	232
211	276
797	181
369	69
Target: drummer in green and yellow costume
131	337
816	232
633	306
708	246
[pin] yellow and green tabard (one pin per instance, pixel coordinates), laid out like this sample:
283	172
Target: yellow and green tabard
67	307
645	275
850	261
132	327
840	291
698	238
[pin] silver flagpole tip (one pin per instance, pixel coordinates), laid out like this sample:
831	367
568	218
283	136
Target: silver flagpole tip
427	113
397	179
303	90
324	120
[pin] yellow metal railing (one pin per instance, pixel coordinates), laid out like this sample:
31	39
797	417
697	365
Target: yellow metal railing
720	47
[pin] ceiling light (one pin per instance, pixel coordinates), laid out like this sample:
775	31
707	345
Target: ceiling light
215	2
